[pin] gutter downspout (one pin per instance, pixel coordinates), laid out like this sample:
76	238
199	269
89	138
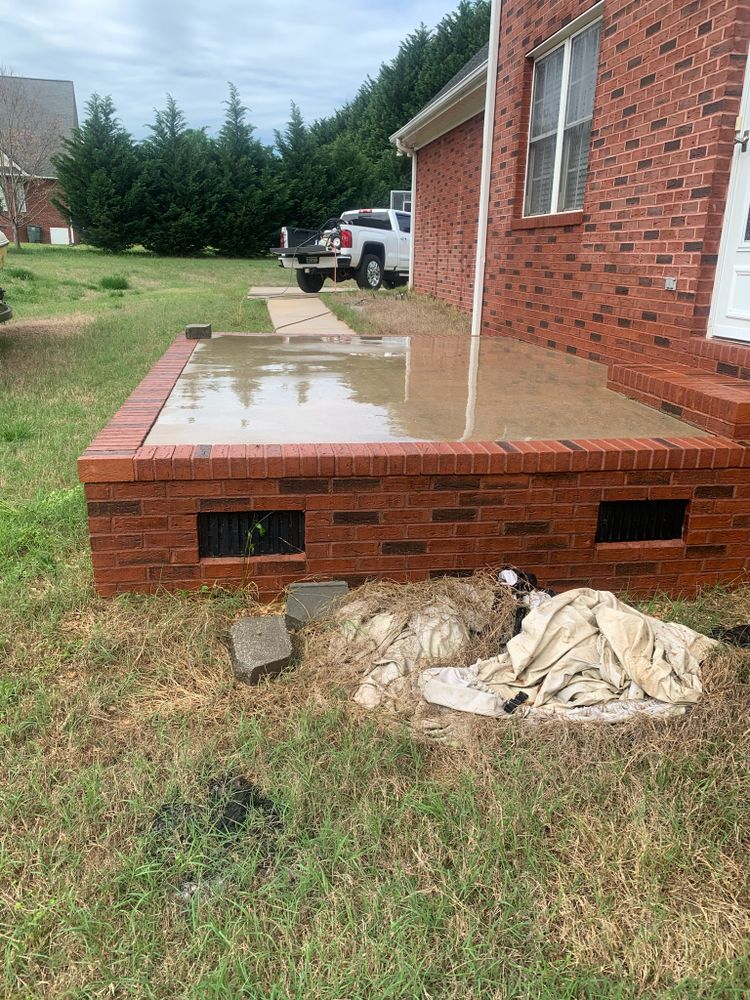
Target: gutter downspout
484	204
413	216
484	186
403	149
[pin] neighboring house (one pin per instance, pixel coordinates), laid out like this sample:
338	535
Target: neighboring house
48	114
617	194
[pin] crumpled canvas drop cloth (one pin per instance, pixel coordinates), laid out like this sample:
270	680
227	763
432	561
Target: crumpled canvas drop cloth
577	651
397	646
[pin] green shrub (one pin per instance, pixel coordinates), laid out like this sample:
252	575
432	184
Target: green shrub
114	282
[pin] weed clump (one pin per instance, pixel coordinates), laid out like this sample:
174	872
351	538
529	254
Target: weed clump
15	431
114	283
20	273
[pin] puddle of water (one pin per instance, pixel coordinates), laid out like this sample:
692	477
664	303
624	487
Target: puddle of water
259	389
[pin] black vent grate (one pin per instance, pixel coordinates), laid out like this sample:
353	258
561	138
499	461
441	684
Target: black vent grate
640	520
251	533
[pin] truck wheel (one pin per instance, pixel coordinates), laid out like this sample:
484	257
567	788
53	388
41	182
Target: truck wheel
370	273
309	281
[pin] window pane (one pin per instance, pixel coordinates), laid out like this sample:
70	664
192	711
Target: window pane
540	175
547	84
584	58
404	222
575	166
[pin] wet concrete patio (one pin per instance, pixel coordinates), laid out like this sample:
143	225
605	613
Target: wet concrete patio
328	385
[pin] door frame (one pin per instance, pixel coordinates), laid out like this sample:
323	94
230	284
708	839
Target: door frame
743	122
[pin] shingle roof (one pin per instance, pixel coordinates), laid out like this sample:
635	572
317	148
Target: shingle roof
474	63
51	108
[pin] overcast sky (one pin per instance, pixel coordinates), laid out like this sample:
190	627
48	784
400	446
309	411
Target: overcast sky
275	51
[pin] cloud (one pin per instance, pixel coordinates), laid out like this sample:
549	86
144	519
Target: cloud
139	50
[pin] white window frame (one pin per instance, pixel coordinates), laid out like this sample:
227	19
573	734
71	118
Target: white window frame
561	40
20	199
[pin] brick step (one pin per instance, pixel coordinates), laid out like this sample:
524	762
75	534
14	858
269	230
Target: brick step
724	357
717	403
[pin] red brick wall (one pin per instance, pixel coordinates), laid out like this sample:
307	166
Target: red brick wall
445	219
670	78
668	91
42	212
411	510
408	513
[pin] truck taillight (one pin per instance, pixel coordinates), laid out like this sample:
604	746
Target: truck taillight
346	239
282	238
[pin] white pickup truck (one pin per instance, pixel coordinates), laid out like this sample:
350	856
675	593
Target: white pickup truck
371	245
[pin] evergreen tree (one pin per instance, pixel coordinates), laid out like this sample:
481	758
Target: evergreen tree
455	40
180	191
97	174
176	185
247	192
305	194
347	159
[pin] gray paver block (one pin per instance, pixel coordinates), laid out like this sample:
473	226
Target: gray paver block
260	646
198	331
308	601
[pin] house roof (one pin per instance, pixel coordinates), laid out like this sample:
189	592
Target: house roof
49	108
478	59
460	99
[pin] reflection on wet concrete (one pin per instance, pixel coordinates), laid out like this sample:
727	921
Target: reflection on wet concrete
259	389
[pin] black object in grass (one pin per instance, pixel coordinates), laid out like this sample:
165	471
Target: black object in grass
239	800
514	703
737	635
228	808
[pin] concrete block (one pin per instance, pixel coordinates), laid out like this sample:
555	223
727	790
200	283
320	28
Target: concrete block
198	331
306	602
259	646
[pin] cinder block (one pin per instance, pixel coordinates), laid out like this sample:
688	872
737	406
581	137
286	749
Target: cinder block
308	601
198	331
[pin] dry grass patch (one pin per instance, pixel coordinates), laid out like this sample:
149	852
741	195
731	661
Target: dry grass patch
53	326
400	313
537	862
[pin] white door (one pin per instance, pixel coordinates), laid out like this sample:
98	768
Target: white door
730	306
60	235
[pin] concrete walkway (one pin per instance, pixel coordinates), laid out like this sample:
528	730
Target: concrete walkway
293	292
305	315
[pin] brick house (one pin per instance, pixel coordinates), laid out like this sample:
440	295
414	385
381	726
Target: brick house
612	229
598	208
38	114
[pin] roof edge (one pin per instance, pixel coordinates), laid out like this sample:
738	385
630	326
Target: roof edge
417	131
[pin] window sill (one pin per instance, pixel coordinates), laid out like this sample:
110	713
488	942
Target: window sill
549	221
663	547
293	558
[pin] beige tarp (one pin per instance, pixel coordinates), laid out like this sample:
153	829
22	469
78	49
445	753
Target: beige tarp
575	655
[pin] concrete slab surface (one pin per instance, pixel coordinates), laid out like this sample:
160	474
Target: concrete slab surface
335	386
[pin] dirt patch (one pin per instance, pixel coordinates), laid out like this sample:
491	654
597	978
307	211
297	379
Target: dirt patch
400	313
54	326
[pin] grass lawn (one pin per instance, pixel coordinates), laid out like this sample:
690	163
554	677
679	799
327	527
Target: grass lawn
542	864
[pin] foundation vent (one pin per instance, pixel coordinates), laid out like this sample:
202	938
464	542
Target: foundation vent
640	520
251	533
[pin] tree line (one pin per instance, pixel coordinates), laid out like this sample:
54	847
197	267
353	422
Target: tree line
180	190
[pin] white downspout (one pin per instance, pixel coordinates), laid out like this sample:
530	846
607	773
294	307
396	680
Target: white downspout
484	185
413	216
484	205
